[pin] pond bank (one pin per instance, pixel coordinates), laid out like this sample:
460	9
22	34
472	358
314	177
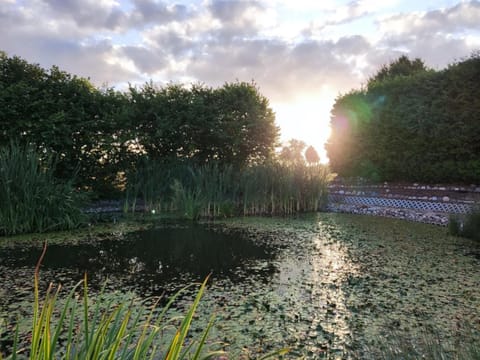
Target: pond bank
431	204
391	212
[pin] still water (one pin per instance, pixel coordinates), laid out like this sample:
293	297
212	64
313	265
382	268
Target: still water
148	261
271	288
326	286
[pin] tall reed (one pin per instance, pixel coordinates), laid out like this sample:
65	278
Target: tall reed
215	190
31	199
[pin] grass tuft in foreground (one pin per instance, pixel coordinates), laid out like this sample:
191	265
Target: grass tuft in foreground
122	332
83	329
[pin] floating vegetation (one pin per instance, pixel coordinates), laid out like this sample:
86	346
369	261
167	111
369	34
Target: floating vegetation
326	285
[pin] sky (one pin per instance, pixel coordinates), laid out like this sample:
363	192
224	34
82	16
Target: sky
302	54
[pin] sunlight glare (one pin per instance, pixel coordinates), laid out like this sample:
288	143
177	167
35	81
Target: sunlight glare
306	119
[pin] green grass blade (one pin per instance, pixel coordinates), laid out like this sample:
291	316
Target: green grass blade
204	338
85	312
182	332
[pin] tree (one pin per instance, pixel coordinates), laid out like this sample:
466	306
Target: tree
98	135
65	116
423	126
246	124
311	155
403	66
232	124
292	153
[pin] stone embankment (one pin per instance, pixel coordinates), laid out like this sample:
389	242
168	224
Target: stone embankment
416	202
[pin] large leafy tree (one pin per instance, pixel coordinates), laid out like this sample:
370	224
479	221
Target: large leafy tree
63	115
292	152
232	124
410	123
403	66
97	135
246	124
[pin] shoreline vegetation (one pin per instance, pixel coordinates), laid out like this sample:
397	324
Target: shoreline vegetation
34	201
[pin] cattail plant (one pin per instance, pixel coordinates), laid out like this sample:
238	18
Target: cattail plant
213	190
31	199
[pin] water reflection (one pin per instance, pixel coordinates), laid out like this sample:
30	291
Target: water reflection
151	258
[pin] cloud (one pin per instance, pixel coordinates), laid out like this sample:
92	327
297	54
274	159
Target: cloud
146	60
232	11
354	10
221	40
434	36
97	14
284	71
60	43
150	11
456	19
238	18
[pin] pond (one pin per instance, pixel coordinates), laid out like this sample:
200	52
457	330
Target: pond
328	285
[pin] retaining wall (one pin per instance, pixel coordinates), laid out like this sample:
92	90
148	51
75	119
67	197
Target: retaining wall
417	202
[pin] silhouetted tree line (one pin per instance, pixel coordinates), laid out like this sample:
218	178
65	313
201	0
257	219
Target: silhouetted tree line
410	123
96	135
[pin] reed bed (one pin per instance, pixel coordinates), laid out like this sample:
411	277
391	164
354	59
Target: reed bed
31	199
212	190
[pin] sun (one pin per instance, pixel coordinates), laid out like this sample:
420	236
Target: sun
306	119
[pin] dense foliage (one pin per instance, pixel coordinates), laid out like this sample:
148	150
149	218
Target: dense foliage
31	199
196	150
101	133
410	123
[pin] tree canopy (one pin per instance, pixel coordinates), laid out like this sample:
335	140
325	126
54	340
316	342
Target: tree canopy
292	152
311	155
410	123
97	134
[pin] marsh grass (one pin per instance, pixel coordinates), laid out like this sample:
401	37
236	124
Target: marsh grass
466	226
213	190
31	199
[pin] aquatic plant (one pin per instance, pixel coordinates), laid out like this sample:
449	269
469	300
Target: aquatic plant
422	346
187	201
467	226
31	199
80	329
471	227
213	190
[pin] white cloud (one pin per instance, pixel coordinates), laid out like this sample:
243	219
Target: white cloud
459	18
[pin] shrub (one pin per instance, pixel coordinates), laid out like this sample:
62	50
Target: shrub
471	226
467	226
